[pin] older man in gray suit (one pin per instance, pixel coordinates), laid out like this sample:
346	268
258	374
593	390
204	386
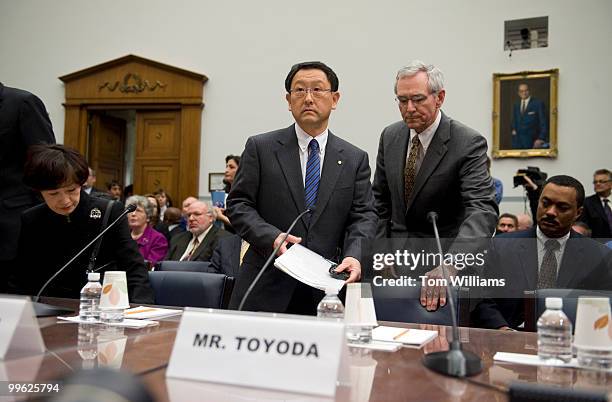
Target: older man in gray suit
430	162
284	172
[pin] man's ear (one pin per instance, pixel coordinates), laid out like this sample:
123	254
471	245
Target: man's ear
288	97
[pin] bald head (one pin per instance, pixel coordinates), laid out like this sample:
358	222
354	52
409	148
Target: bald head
187	202
524	221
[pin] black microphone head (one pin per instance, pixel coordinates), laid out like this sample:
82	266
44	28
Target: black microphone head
131	208
432	216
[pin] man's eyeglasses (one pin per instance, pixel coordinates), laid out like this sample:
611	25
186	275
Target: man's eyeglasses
600	181
417	100
316	92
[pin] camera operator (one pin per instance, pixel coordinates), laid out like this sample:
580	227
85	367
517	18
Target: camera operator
532	179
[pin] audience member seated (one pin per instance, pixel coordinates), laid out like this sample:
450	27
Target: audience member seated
582	229
548	256
506	223
227	256
152	245
53	232
231	167
597	207
172	223
156	222
198	243
115	190
524	222
186	203
164	201
497	184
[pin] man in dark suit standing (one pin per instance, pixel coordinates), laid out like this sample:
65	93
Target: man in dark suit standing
548	256
529	121
198	243
24	121
598	207
226	258
284	172
430	162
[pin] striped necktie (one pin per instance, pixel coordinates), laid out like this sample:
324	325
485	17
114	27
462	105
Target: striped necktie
547	277
311	184
411	167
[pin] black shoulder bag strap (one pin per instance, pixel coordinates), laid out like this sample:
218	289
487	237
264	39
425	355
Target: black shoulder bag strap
96	248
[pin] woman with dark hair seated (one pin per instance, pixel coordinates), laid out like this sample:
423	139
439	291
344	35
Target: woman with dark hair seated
53	232
152	245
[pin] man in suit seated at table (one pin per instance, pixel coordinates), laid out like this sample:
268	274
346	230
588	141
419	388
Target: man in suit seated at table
198	243
550	255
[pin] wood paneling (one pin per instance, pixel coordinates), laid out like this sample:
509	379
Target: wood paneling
107	148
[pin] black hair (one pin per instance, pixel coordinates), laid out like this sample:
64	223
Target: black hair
569	181
51	166
511	216
312	65
234	158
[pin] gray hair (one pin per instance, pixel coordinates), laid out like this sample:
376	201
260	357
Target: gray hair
435	78
142	202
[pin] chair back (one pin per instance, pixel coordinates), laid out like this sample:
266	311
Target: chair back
194	289
185	266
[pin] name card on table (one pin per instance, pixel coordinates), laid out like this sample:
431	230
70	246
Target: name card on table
19	331
275	351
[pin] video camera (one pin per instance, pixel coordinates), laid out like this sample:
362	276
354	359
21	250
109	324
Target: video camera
533	173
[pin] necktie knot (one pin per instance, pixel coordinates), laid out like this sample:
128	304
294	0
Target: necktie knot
313	145
416	141
552	245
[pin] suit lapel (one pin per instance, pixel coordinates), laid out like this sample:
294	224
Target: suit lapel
202	247
435	152
573	255
182	242
397	158
332	166
289	159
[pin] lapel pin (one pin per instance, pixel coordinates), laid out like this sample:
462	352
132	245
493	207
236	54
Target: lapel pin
95	213
339	162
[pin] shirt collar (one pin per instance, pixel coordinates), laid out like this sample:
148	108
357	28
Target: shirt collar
427	135
304	138
542	238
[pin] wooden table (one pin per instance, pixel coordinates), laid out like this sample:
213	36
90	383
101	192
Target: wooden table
375	376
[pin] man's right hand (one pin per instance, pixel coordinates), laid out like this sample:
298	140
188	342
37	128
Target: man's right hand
289	239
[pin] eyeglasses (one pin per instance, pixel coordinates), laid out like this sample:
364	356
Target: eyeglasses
600	181
417	100
316	92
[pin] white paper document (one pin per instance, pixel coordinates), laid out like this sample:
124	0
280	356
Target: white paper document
127	323
531	360
407	336
308	267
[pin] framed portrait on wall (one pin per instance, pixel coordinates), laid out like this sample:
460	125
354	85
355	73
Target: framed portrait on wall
215	181
525	114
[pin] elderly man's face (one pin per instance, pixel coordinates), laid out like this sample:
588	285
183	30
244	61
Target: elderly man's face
602	184
505	225
417	105
557	210
199	218
523	91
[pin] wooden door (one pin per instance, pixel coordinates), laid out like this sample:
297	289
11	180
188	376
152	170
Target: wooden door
107	149
158	144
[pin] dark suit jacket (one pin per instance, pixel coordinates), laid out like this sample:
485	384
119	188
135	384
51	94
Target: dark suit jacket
586	264
595	216
23	122
453	181
226	256
268	194
48	241
530	126
203	252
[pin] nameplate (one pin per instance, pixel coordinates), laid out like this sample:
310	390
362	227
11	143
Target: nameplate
19	330
275	351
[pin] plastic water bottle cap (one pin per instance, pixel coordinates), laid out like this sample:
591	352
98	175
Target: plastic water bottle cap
93	276
331	291
554	302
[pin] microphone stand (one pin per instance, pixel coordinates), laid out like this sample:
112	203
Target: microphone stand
47	310
271	257
455	362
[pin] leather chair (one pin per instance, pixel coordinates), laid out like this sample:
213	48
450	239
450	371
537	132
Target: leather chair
196	289
185	266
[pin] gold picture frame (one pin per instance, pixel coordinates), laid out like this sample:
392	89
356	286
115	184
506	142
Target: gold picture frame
525	129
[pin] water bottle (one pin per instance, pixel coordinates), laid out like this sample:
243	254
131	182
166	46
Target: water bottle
330	306
554	332
89	309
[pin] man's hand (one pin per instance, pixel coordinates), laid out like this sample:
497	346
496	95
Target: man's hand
530	184
538	143
352	266
432	296
290	239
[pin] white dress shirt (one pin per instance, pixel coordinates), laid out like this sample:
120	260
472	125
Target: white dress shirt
303	139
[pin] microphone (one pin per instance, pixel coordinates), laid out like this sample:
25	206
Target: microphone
455	362
44	310
271	257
